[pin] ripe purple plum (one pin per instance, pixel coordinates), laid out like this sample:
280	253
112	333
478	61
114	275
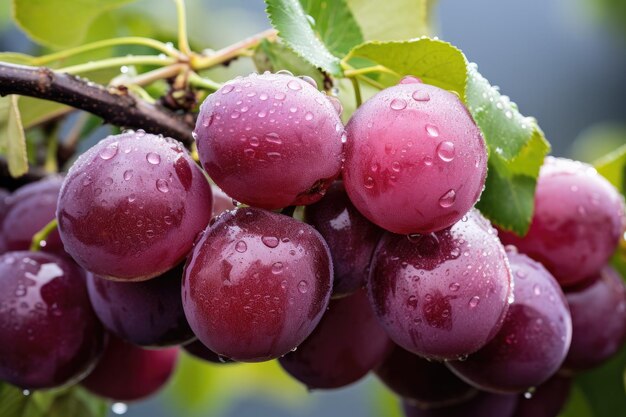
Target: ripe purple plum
598	319
132	205
50	334
534	339
442	295
484	404
270	140
547	400
415	160
422	382
350	236
256	284
347	344
28	210
129	373
148	313
577	221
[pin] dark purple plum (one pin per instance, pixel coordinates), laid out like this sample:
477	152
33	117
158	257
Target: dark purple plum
198	350
547	400
577	221
346	344
422	382
483	404
29	209
442	295
128	373
256	284
350	236
148	313
49	332
598	319
132	205
270	140
415	160
534	339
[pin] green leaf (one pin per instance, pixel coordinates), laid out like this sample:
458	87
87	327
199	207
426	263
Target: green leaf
505	129
74	401
394	19
16	58
508	198
613	168
12	138
334	24
295	29
433	61
275	56
59	23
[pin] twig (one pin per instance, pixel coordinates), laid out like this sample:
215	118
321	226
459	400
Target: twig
115	106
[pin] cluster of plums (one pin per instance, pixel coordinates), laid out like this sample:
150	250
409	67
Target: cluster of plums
391	270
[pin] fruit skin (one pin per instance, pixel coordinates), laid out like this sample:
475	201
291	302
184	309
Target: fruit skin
350	236
547	400
256	284
577	222
270	140
144	202
414	166
148	313
50	334
483	404
534	339
599	320
443	295
422	382
130	373
198	350
28	210
346	344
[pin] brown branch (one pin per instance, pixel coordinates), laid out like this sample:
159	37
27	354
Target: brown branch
115	105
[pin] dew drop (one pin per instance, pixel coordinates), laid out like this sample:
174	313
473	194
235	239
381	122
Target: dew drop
369	182
277	268
397	104
447	199
308	116
153	158
108	181
26	393
473	302
432	130
409	79
108	151
395	165
241	246
235	115
454	286
420	95
428	161
536	289
445	151
128	174
162	185
308	80
254	141
303	287
411	302
249	153
270	241
294	85
132	198
273	138
227	88
280	96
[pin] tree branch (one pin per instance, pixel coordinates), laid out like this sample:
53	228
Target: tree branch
115	105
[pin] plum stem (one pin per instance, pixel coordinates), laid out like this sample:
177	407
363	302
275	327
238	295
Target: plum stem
42	235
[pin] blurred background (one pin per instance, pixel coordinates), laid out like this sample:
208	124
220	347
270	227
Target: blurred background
562	61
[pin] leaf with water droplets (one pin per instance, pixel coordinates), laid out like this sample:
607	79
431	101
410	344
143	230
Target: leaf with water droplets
275	56
307	34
